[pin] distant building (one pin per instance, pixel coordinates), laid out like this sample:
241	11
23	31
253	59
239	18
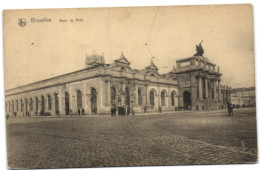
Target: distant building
244	97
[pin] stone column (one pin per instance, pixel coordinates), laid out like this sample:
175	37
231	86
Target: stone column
147	99
108	93
60	98
39	105
84	96
34	106
214	90
180	99
71	98
123	86
169	98
158	97
176	99
53	105
19	107
206	88
219	91
136	95
200	88
28	105
101	97
209	93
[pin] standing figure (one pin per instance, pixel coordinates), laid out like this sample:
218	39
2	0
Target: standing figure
230	107
79	112
112	111
82	111
160	109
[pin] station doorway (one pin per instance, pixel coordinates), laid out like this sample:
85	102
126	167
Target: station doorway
186	100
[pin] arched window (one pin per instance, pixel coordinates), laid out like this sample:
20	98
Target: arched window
43	105
152	98
67	103
163	98
31	104
93	100
25	103
49	102
139	97
172	99
36	103
56	104
79	99
113	95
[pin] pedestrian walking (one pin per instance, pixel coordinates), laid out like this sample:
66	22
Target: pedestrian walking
133	112
79	112
82	111
112	111
230	107
160	109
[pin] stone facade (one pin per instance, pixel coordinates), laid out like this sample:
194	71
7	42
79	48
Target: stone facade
95	89
244	97
199	83
99	86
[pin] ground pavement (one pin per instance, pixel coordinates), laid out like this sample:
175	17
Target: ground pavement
177	138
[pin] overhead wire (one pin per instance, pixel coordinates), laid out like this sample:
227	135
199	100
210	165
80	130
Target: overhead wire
148	36
152	25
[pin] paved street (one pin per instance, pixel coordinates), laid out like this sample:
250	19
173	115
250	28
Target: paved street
179	138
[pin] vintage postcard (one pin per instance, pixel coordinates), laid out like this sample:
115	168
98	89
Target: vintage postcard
132	86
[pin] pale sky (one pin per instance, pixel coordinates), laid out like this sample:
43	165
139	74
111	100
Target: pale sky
47	49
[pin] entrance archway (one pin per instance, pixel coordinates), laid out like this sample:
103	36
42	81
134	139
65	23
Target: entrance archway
36	104
43	106
79	100
93	101
186	100
152	98
67	103
113	95
56	104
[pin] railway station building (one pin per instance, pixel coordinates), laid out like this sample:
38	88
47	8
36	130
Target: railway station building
193	84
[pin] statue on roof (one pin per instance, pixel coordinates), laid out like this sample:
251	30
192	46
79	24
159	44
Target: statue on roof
199	50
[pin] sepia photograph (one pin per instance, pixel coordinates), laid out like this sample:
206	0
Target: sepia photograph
130	86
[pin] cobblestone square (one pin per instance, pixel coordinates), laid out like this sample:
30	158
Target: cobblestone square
177	138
